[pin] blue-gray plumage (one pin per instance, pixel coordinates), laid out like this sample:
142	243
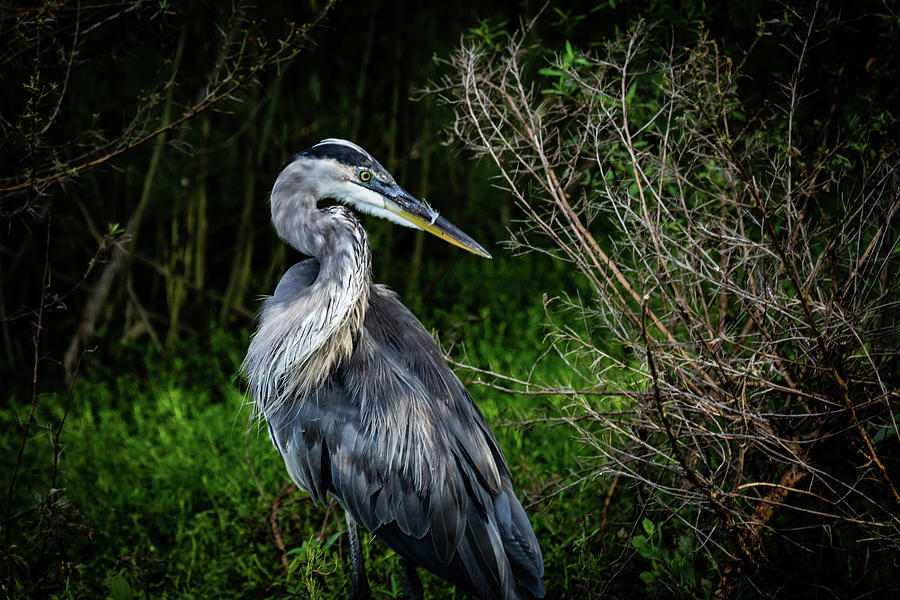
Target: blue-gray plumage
360	402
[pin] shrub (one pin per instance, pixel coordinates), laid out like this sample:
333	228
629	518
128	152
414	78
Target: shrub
744	260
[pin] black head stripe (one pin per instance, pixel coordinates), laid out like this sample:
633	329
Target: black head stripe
341	153
346	155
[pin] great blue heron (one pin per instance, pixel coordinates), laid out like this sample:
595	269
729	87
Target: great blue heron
359	401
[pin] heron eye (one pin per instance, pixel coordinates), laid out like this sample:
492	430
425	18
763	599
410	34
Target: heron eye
365	175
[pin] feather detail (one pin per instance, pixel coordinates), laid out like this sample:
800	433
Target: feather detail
299	342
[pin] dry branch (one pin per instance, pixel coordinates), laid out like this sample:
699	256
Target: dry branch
725	267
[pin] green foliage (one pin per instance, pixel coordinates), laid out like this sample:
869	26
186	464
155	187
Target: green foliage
489	33
673	564
564	85
309	564
156	466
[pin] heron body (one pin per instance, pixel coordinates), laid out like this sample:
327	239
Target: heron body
360	402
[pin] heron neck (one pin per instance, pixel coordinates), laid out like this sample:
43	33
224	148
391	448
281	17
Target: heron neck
341	290
301	340
340	295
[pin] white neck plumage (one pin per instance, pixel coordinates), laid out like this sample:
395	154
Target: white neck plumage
303	337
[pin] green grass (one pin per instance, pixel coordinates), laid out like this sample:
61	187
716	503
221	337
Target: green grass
157	493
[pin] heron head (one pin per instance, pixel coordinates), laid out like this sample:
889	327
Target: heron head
343	171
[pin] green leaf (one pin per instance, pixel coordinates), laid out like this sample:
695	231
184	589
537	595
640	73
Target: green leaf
885	432
331	541
119	588
640	544
631	92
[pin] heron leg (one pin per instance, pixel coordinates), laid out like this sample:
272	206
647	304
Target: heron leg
412	587
359	590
